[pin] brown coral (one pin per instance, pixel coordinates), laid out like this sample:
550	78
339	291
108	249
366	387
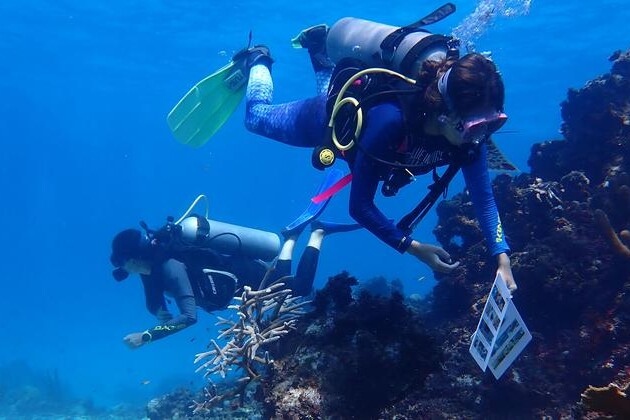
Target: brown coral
609	232
611	400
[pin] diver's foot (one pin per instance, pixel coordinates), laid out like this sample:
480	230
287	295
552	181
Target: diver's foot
313	38
258	54
293	230
329	227
293	233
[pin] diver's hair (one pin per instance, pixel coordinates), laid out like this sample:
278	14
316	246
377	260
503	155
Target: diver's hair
474	82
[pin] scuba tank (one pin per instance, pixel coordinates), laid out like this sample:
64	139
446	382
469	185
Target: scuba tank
225	238
402	49
229	239
373	60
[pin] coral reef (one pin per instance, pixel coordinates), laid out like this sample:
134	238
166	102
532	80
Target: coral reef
567	223
263	317
26	392
177	405
351	357
596	130
369	353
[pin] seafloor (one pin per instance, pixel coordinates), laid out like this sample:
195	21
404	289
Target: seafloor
368	352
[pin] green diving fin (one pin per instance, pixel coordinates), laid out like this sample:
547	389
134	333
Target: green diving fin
208	105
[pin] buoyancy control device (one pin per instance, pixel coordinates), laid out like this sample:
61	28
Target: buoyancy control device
373	60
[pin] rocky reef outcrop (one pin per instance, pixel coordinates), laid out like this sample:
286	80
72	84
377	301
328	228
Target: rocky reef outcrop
357	355
567	224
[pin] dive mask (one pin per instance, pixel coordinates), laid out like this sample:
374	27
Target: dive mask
478	129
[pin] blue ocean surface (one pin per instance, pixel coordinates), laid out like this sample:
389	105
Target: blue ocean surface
86	152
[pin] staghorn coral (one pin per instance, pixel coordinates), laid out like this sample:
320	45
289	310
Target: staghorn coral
264	316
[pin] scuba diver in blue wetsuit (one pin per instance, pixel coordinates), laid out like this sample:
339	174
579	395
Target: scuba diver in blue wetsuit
435	109
202	263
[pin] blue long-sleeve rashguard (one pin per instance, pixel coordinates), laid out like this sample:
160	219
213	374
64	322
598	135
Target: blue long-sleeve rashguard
303	124
384	128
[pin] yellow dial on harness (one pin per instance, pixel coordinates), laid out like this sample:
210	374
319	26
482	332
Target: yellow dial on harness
326	157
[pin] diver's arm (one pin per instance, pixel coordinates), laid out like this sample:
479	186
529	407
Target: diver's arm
364	211
176	281
154	297
384	125
186	318
478	182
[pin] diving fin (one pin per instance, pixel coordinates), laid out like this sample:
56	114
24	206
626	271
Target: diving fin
208	105
330	227
314	209
311	36
497	160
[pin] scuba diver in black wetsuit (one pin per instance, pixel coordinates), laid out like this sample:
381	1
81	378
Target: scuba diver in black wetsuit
192	277
200	276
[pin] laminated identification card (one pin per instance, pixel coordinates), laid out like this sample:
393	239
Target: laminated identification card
501	334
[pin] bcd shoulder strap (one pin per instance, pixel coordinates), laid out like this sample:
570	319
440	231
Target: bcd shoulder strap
408	223
439	187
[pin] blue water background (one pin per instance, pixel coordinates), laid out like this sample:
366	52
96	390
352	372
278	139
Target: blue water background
85	87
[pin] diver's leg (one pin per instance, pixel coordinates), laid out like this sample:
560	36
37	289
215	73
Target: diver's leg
322	80
282	267
307	267
299	123
314	40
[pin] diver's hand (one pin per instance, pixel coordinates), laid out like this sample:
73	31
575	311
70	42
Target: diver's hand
435	257
134	340
506	271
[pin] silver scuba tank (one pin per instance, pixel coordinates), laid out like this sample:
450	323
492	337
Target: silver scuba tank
230	239
362	39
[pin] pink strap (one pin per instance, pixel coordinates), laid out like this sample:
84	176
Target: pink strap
334	189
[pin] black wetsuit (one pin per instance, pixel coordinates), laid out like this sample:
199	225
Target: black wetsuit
182	278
